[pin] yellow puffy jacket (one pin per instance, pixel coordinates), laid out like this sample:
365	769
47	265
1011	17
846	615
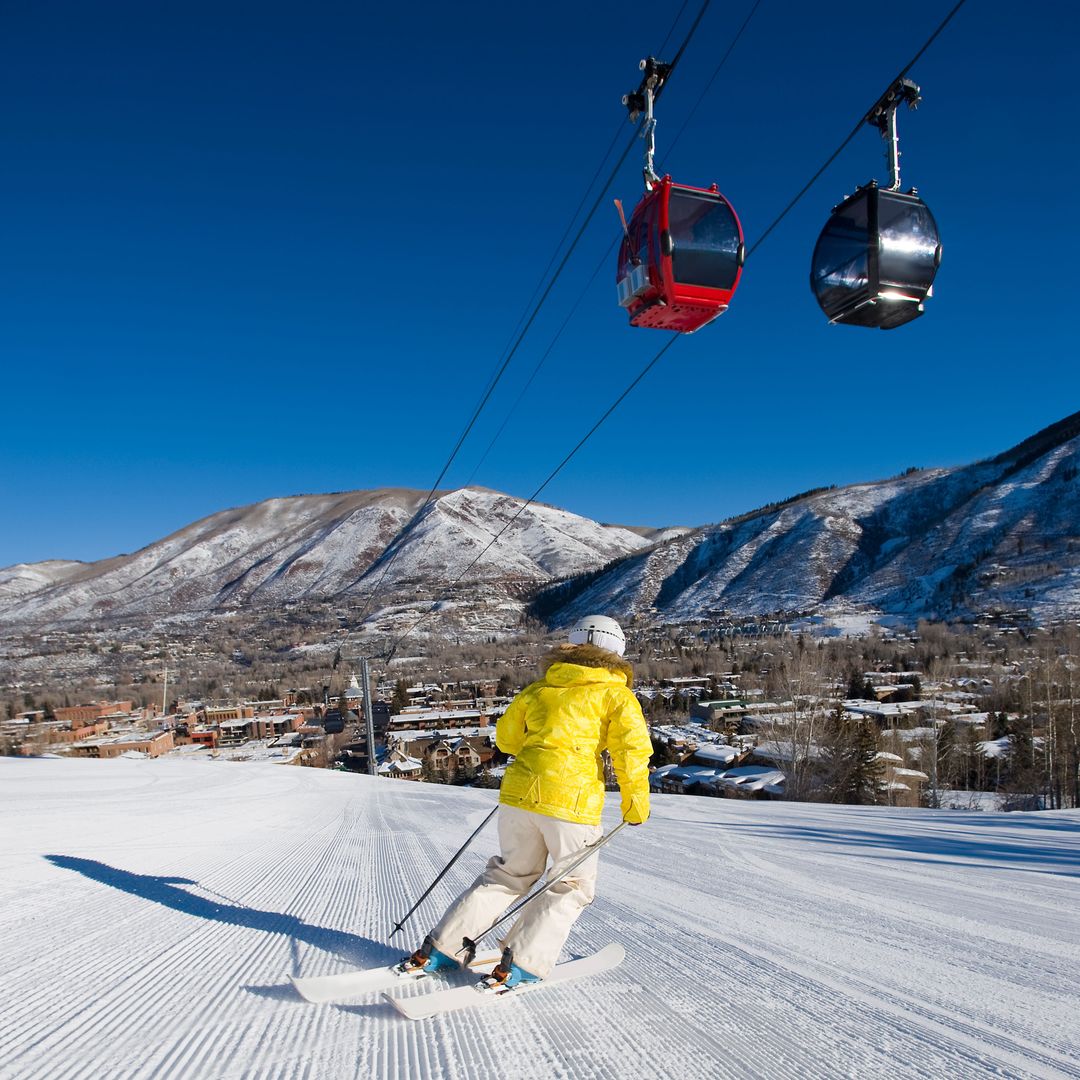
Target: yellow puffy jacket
557	729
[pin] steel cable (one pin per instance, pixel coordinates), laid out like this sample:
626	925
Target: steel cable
395	546
652	363
854	131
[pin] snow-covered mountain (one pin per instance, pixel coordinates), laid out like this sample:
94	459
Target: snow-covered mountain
1002	534
153	935
321	546
26	578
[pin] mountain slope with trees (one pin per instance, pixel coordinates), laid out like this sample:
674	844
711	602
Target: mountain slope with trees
1002	534
998	535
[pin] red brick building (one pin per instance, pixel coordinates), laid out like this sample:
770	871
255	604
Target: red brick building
81	715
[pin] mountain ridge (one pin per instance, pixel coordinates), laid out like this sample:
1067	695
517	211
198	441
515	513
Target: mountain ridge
1000	534
296	547
846	540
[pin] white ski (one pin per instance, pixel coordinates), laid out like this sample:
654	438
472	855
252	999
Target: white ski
469	997
348	984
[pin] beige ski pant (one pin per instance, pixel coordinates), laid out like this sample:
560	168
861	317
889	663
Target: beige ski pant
526	841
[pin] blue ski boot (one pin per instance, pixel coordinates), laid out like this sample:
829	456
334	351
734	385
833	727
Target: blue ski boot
506	976
427	960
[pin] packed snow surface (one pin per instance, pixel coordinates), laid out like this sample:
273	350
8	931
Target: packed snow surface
152	911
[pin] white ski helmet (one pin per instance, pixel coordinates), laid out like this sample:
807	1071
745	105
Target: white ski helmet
601	631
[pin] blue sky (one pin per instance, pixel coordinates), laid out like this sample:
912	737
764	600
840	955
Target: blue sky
253	250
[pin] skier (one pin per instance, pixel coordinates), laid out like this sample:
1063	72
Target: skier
550	804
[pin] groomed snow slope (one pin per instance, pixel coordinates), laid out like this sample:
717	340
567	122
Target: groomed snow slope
151	912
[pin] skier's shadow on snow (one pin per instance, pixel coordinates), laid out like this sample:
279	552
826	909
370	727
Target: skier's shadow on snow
167	891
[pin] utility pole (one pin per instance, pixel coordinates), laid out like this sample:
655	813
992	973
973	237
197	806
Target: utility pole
165	688
369	722
935	736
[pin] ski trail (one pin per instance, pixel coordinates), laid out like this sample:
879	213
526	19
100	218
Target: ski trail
762	939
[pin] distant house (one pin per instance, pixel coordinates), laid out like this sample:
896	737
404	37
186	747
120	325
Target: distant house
686	682
754	782
718	710
436	719
720	771
232	732
81	715
902	786
885	712
399	766
718	755
451	758
221	714
116	744
416	743
199	735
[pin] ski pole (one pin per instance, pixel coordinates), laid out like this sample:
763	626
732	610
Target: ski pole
588	852
442	873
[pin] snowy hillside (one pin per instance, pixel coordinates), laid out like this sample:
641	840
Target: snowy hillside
999	534
153	910
317	545
25	578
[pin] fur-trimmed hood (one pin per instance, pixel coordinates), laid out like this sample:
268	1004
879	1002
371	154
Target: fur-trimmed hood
591	656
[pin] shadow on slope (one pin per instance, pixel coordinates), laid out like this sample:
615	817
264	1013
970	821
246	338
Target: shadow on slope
166	891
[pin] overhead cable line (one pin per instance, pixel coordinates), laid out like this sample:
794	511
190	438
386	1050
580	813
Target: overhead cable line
566	256
652	363
558	247
398	542
712	77
854	131
588	284
570	250
671	29
536	494
543	359
689	34
622	396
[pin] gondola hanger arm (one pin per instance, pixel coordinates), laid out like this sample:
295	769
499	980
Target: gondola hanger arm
883	117
654	74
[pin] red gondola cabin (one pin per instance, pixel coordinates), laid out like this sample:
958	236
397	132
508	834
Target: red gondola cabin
682	257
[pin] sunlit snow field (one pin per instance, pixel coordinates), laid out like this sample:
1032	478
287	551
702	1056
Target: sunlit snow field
151	912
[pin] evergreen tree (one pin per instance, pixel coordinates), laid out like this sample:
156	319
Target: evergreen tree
664	753
946	755
869	771
852	772
486	779
835	755
400	698
430	775
1020	780
856	684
